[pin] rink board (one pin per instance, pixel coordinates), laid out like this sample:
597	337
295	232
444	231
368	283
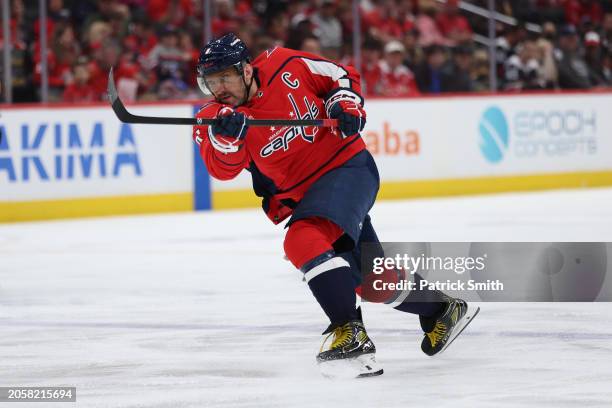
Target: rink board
58	162
72	162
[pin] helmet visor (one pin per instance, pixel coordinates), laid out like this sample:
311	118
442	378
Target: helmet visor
213	84
203	86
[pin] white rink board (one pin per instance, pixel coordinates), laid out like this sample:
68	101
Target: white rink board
60	153
546	134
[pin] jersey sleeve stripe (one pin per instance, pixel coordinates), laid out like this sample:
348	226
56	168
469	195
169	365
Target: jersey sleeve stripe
325	68
288	60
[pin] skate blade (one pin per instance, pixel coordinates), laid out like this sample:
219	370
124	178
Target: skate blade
470	314
357	367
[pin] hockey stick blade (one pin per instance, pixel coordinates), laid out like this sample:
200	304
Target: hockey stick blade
126	117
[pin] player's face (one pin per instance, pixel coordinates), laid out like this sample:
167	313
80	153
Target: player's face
227	86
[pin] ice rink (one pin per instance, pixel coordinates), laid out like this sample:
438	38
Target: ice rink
201	310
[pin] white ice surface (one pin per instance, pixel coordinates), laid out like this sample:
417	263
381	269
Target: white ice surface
201	310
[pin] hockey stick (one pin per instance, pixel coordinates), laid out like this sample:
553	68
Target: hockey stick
126	117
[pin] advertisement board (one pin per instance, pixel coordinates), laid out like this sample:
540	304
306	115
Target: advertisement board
78	161
53	156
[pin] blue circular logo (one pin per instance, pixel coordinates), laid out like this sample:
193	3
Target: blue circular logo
494	135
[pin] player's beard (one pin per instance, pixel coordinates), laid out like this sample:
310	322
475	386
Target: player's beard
228	98
238	97
233	98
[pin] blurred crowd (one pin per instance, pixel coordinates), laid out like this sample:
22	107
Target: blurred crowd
409	47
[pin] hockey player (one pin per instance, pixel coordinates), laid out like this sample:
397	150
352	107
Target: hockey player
323	179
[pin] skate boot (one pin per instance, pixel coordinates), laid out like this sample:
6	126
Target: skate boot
350	354
441	330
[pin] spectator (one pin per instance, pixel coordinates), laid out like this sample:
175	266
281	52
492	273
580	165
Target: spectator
166	59
523	70
430	77
105	56
169	12
375	17
574	73
396	79
129	77
63	53
371	73
311	44
453	25
65	46
546	59
329	30
225	20
457	72
103	14
389	20
429	33
80	89
414	53
278	28
577	11
538	11
593	58
607	66
141	37
505	47
300	30
56	11
549	31
480	71
606	29
119	21
98	32
246	34
263	41
20	57
190	56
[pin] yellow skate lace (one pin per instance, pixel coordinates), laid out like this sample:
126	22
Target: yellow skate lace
440	329
342	337
437	333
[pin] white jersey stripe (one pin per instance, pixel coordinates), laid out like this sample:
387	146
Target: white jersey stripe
344	83
325	68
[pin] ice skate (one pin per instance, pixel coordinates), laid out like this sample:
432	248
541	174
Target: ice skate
351	353
441	330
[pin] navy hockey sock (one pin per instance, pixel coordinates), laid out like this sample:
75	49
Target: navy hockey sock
330	280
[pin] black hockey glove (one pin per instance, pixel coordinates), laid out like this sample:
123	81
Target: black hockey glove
229	131
345	105
230	124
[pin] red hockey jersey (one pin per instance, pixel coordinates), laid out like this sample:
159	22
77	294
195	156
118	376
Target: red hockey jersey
285	161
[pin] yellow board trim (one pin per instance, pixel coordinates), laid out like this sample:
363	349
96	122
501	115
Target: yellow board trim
446	187
98	206
488	185
224	199
245	198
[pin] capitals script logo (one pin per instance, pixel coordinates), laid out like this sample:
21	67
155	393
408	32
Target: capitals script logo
281	142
